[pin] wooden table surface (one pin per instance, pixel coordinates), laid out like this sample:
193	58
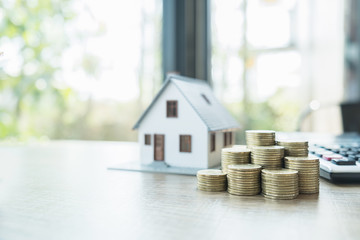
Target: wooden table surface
63	190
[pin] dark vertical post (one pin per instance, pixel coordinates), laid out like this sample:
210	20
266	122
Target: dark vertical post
186	38
352	51
356	16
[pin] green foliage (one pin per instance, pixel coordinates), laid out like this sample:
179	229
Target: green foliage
37	30
33	104
279	113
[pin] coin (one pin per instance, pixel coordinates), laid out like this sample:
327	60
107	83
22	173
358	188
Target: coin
260	132
309	172
267	156
281	197
260	137
239	146
292	143
247	193
211	172
294	148
234	156
211	180
212	189
245	167
280	184
244	179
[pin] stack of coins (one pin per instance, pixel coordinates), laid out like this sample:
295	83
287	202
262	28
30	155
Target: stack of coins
308	168
236	155
260	138
294	148
211	180
239	146
244	179
280	184
267	156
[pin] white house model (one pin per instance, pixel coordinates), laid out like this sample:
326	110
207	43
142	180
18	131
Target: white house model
185	126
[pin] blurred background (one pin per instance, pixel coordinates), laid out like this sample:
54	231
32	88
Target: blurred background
88	69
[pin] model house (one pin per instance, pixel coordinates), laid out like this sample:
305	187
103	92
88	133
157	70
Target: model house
185	125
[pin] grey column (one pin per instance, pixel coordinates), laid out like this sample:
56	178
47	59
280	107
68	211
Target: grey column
186	38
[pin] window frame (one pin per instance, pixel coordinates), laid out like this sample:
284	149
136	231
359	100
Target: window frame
227	139
212	142
185	142
147	139
172	105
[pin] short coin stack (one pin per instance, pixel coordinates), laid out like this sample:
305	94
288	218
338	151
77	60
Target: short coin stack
234	156
308	168
260	138
239	146
211	180
244	179
294	148
267	156
280	184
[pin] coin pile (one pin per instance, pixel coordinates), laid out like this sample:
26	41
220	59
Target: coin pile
308	168
244	179
280	184
235	155
267	156
211	180
239	146
294	148
260	138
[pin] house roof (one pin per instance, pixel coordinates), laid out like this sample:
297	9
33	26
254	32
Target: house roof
201	97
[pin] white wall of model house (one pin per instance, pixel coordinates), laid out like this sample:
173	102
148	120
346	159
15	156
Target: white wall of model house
188	122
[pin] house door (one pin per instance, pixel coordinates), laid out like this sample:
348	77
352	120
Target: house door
159	147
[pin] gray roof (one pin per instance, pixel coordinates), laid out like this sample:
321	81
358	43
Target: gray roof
214	115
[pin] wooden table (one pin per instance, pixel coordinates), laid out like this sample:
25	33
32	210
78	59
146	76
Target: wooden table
63	190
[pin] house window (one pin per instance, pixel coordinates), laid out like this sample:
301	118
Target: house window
171	109
185	143
206	99
212	142
228	138
147	139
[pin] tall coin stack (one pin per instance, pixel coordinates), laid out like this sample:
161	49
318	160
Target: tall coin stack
211	180
260	138
244	179
234	156
280	184
308	168
267	156
294	148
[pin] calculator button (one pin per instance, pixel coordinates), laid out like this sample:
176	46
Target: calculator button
356	150
350	153
343	161
332	156
343	153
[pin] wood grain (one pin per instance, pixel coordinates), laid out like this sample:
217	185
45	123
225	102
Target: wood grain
63	190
